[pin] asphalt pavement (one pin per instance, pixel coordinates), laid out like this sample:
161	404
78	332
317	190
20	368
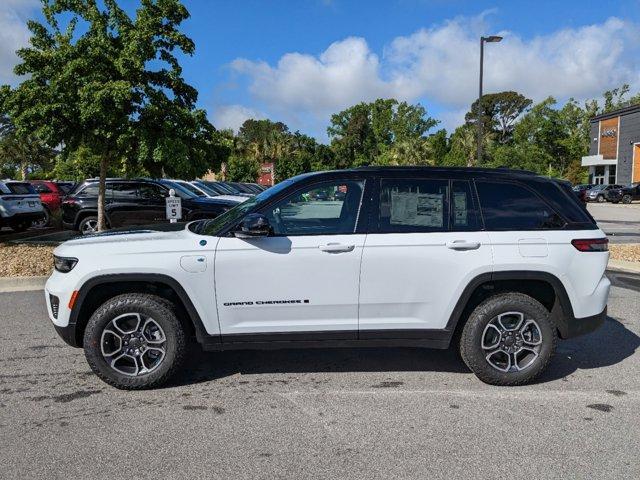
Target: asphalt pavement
343	413
620	222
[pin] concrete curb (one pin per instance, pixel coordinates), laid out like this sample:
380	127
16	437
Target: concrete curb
22	284
624	266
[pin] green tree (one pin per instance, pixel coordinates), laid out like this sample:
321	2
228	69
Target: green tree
500	112
463	146
113	86
242	169
365	131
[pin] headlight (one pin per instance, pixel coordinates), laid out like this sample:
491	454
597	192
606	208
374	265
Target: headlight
64	264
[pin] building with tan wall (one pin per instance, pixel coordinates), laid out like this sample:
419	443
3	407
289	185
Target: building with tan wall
614	152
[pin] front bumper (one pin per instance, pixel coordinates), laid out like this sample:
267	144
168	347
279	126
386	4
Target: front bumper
68	334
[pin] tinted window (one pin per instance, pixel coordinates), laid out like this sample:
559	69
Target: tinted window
41	188
125	191
90	190
20	188
65	187
464	214
328	208
507	206
416	205
151	191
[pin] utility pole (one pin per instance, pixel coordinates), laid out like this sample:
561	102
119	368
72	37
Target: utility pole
491	39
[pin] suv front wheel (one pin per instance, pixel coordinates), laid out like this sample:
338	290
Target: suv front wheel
508	339
134	341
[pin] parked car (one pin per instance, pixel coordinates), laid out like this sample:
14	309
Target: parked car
223	189
133	202
200	191
205	190
20	205
254	187
601	193
497	263
240	189
51	195
630	193
581	191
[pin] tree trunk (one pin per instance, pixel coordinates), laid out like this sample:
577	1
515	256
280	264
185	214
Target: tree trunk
24	169
102	224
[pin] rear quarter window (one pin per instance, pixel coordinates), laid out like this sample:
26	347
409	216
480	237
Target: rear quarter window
510	206
20	188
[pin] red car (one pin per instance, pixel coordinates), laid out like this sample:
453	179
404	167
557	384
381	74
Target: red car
51	194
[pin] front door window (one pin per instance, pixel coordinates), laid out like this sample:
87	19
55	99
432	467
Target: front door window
328	208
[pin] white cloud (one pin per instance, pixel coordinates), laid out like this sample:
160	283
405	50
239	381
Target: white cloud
233	116
344	72
440	65
13	34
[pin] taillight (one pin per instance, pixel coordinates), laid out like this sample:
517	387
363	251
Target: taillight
591	244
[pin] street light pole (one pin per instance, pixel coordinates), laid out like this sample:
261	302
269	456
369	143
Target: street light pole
491	39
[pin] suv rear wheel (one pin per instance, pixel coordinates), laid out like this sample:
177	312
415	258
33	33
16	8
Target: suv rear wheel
509	339
134	341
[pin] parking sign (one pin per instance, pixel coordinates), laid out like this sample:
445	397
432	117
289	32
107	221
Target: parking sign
174	208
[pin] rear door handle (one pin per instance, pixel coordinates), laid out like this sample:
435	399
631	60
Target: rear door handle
336	248
463	245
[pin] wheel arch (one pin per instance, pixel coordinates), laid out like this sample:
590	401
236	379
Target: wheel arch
97	290
543	286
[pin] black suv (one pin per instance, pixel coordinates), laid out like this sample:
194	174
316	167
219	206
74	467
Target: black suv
133	202
630	193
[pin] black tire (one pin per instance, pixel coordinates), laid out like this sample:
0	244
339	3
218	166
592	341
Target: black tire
147	306
471	348
600	199
626	199
88	225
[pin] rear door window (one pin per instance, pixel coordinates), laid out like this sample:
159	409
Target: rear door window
464	212
125	190
414	205
509	206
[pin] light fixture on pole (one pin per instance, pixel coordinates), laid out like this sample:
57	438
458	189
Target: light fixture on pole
490	39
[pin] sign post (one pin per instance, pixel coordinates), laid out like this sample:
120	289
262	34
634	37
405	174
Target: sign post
174	206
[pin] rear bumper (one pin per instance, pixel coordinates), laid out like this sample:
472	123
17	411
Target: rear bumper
18	218
574	327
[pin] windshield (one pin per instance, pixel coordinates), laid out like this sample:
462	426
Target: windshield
179	189
191	188
219	187
207	188
213	226
599	187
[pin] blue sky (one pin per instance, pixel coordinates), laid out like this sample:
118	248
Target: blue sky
300	61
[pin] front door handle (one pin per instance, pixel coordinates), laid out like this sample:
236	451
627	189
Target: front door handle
336	248
463	245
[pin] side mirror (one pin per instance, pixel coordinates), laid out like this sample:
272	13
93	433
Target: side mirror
252	226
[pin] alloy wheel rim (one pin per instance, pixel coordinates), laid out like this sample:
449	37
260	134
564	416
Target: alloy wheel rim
133	344
90	227
511	342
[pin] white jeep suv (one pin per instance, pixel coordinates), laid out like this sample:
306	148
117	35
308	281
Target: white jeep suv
497	263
